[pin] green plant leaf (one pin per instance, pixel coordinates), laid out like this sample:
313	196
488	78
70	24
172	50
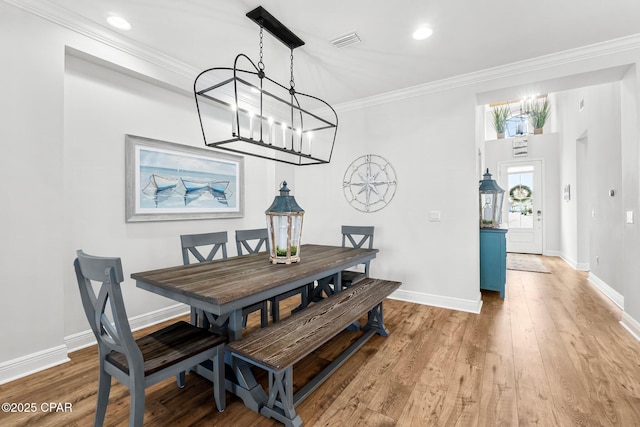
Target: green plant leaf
499	116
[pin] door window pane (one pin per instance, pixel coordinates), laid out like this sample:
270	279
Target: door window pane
520	197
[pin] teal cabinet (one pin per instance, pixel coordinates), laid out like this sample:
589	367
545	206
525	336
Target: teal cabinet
493	259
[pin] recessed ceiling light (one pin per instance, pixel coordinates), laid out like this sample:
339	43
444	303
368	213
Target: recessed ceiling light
422	33
119	23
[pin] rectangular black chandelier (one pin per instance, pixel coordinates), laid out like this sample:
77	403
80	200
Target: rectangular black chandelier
263	117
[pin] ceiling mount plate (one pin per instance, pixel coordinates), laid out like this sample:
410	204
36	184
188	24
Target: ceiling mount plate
260	16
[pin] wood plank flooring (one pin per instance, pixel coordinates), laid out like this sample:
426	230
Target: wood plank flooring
551	354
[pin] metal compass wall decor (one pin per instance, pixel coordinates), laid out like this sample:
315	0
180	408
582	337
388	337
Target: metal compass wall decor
369	183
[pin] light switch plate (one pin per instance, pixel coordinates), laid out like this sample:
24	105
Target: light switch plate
629	217
434	216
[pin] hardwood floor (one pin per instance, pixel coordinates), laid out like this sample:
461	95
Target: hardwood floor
551	354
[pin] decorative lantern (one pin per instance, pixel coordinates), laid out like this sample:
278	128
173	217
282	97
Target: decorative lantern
491	198
284	222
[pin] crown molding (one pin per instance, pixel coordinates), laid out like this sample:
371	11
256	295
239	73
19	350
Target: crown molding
596	50
85	27
74	22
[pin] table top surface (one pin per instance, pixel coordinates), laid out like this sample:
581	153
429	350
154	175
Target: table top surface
231	279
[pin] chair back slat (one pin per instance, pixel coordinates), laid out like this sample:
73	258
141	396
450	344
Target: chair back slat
252	240
191	242
110	336
365	234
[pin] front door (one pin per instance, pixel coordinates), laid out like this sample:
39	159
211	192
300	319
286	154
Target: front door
522	208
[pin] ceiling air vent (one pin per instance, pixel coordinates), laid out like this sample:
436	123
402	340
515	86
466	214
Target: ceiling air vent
345	40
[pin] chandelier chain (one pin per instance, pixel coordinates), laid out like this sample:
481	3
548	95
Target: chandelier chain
260	63
292	82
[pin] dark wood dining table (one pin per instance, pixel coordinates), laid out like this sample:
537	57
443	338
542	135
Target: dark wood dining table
220	289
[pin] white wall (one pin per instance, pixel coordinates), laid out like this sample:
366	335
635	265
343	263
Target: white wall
600	121
604	154
436	261
571	122
630	123
31	251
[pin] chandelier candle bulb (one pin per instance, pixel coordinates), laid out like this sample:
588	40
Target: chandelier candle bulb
250	124
299	133
284	135
270	130
234	130
309	135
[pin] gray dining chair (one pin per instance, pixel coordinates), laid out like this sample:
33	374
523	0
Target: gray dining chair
357	237
193	245
352	236
139	363
252	241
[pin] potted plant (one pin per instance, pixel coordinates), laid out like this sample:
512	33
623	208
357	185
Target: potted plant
499	117
538	115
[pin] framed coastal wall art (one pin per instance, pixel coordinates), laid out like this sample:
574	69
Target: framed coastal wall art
167	181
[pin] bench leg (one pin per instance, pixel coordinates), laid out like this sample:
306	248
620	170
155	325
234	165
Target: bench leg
244	385
280	404
375	321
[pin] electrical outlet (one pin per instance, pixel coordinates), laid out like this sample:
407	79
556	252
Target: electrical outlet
629	217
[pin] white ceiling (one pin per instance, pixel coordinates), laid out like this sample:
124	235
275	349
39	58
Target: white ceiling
469	35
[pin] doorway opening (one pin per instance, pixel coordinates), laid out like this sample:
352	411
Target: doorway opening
522	209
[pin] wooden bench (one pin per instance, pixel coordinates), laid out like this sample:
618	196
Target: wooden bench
279	346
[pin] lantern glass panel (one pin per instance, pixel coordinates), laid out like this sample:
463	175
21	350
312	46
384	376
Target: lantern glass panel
286	232
498	209
487	206
296	231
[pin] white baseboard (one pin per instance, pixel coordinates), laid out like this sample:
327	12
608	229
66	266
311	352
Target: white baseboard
32	363
607	290
570	261
84	339
580	266
439	301
39	361
631	325
583	266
